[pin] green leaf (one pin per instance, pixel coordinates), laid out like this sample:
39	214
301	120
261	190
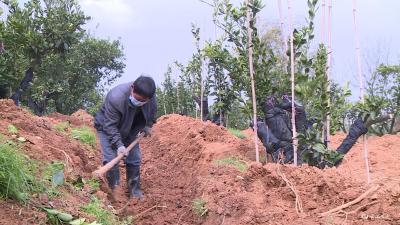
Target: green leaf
319	147
58	178
65	217
79	221
51	211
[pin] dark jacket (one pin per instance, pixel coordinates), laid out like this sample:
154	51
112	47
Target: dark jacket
122	121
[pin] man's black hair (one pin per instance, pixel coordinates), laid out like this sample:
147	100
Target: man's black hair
144	86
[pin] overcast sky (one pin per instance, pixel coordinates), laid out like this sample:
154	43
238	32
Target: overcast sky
154	33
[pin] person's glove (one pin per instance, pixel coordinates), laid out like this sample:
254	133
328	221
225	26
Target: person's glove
122	151
147	131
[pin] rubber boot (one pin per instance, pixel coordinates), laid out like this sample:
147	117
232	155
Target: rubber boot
113	183
133	181
113	177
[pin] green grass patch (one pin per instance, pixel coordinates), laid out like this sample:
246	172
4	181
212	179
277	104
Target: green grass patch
233	161
84	134
12	129
16	173
94	184
103	216
199	206
62	126
237	133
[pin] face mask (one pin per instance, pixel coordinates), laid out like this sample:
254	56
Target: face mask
136	102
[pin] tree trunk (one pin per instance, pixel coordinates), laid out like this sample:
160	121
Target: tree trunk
16	97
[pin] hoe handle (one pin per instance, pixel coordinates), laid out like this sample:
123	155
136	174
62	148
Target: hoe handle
102	170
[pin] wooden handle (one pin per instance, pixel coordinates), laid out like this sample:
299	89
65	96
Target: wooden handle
102	170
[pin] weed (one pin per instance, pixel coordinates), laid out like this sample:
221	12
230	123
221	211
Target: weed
12	129
16	175
263	158
234	161
94	184
102	215
84	134
237	133
62	126
200	206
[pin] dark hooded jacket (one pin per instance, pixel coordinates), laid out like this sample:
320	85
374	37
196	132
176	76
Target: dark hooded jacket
122	121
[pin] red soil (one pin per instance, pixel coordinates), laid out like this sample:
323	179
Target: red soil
179	166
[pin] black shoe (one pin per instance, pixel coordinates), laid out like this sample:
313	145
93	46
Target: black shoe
133	181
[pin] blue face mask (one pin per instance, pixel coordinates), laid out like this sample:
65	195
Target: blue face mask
136	102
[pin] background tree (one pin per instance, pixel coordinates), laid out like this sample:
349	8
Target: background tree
49	63
79	78
220	84
382	98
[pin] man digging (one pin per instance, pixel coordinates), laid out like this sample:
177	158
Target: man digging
128	109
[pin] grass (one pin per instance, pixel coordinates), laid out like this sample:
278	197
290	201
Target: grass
103	216
16	173
200	206
12	129
233	161
62	126
237	133
84	134
94	184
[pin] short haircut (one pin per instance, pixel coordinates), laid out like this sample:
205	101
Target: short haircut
144	86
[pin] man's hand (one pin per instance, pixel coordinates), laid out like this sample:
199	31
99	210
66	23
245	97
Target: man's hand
122	151
147	131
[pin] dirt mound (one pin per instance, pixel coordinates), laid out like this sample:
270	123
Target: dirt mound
44	144
174	158
196	172
83	116
78	118
384	156
179	166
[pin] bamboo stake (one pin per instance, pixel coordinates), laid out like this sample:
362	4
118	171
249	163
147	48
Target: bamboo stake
253	90
328	73
282	25
177	98
292	81
220	118
358	58
361	80
323	22
165	108
201	93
